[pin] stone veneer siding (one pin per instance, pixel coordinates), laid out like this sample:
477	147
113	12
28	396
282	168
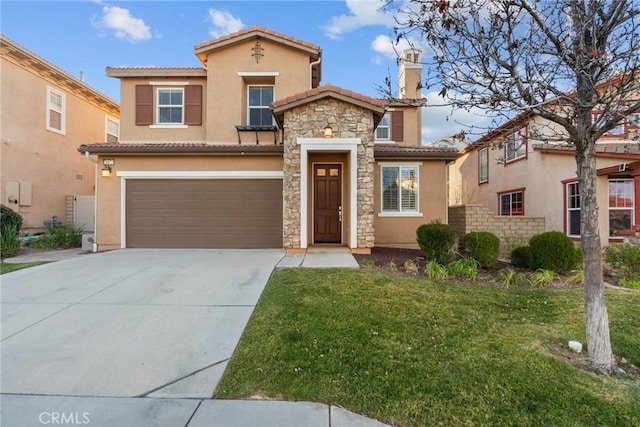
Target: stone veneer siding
511	230
347	121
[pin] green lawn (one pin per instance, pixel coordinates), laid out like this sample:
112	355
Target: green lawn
6	267
411	352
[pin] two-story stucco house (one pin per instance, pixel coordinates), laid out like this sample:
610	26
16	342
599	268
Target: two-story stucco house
45	114
250	151
521	170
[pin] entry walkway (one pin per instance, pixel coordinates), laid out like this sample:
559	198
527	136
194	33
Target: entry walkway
321	257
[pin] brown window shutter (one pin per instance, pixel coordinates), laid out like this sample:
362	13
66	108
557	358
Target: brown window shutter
397	125
193	105
144	105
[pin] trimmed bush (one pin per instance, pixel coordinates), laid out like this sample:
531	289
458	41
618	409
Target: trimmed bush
553	251
9	242
9	217
63	236
625	259
520	257
484	247
437	241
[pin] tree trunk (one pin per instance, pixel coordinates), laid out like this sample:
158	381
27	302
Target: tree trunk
597	320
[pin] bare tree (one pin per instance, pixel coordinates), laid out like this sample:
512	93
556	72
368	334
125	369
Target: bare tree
560	60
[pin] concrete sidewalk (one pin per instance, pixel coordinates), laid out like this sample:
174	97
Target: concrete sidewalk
321	257
50	255
27	411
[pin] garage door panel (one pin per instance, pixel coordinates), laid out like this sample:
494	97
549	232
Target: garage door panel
204	213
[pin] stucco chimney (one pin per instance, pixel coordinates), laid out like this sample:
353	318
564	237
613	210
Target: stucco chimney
410	74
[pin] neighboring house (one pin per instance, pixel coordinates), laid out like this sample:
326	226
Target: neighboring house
249	151
45	114
516	171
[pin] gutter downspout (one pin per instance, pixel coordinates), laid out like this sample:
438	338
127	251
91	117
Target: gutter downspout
311	65
95	200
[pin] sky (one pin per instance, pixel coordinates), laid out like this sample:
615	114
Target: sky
356	37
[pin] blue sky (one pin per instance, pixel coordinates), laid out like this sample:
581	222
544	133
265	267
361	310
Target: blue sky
355	37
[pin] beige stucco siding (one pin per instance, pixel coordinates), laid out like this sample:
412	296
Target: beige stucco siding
133	133
109	194
227	93
401	231
32	155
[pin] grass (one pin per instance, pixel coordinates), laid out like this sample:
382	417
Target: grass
411	352
7	267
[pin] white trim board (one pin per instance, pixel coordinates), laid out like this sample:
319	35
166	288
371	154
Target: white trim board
200	174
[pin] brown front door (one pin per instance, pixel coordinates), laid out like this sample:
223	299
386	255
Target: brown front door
327	222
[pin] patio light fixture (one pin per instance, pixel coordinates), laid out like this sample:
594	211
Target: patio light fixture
328	131
106	167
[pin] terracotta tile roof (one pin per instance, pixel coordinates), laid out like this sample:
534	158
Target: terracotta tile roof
178	148
156	72
391	151
328	89
630	149
259	30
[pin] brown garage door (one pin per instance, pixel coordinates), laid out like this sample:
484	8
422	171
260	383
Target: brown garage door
182	213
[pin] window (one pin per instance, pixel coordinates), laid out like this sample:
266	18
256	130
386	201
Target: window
170	111
113	130
55	110
400	189
512	203
620	205
516	145
617	130
573	209
260	98
483	165
383	131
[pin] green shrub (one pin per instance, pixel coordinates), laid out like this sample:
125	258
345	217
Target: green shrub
484	247
466	268
576	277
520	256
437	241
367	263
411	266
435	271
61	237
510	277
625	259
543	278
9	217
553	251
9	242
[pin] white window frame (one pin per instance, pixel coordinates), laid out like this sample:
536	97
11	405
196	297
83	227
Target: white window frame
510	194
388	128
159	106
618	130
484	161
258	107
108	119
59	109
518	140
570	209
620	208
400	212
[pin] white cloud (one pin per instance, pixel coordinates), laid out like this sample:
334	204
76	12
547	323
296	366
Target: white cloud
123	25
439	120
362	13
223	23
384	45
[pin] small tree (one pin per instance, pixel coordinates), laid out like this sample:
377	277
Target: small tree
556	60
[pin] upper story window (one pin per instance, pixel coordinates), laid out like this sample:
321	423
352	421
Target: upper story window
515	146
56	110
573	209
400	189
383	131
260	99
112	129
167	106
511	203
170	107
483	165
621	205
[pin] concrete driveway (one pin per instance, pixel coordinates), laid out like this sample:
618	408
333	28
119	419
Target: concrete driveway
129	323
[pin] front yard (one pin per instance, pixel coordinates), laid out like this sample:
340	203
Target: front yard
411	352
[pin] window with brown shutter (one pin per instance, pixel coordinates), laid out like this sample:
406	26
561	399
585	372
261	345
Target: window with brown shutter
193	105
144	105
397	125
